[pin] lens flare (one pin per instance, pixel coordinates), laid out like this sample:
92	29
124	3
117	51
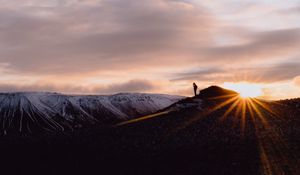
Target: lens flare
253	115
245	90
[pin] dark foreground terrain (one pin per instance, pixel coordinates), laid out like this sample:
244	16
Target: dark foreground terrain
214	133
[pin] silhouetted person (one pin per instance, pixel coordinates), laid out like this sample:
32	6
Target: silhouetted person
195	88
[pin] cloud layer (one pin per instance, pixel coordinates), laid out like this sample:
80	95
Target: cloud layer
169	41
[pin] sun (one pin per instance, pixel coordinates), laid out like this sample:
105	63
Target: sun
246	90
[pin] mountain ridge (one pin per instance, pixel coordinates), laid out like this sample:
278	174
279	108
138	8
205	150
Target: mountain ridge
39	111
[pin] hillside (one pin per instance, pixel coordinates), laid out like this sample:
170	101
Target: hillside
37	112
206	134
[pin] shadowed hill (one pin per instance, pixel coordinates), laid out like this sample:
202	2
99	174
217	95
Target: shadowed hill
215	91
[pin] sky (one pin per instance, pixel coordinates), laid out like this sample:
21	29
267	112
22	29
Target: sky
154	46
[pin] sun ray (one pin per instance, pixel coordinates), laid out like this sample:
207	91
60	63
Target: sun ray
237	112
273	150
223	96
258	112
250	109
198	117
243	115
225	103
232	106
266	107
239	107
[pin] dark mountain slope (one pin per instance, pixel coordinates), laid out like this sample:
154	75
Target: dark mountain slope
211	134
220	134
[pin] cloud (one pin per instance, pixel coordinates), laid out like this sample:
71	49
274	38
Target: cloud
260	74
70	40
296	81
263	46
123	35
276	73
47	87
290	10
201	74
134	85
130	86
109	34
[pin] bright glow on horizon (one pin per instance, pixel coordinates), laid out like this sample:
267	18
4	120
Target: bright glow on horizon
246	90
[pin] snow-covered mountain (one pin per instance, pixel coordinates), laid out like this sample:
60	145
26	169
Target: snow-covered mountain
30	112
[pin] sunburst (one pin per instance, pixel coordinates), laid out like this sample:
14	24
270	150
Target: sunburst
269	141
259	113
